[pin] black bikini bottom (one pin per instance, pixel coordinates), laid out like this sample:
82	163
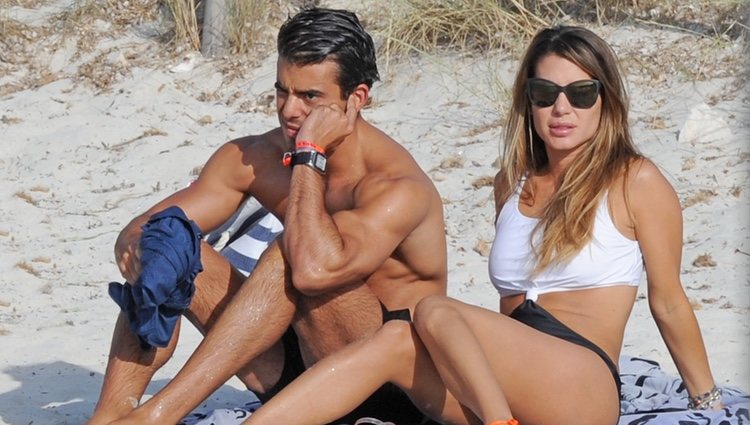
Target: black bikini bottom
532	314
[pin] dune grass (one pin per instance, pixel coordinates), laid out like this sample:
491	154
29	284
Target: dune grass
249	23
28	4
480	25
400	27
425	25
186	31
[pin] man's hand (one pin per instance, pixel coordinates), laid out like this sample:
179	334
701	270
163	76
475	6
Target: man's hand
128	252
328	125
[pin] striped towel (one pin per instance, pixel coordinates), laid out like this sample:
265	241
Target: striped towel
244	237
652	397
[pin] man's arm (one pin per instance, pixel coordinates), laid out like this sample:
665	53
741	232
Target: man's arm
327	251
209	201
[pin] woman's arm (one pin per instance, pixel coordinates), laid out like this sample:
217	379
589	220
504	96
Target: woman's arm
657	219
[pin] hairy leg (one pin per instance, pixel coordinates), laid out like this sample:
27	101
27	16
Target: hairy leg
221	282
130	368
527	366
343	380
252	322
327	323
129	371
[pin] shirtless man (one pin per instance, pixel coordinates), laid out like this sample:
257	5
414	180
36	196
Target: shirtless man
364	236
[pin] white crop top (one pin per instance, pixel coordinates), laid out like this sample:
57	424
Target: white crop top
609	259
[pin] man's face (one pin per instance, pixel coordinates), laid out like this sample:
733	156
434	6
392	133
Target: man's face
300	88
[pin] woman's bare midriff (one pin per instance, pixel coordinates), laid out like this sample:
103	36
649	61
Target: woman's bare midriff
597	314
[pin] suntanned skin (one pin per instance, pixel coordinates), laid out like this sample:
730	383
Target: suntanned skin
371	228
464	364
226	179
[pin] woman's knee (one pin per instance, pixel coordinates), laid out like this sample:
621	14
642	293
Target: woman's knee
398	352
431	312
395	333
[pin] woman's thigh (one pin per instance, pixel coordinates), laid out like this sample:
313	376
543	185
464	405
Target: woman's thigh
545	379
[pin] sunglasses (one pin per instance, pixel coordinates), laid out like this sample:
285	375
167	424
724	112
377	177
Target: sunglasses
581	94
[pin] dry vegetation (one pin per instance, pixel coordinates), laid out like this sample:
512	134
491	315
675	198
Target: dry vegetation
249	26
400	27
426	25
185	22
21	3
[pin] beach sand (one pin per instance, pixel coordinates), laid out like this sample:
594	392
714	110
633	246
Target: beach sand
89	139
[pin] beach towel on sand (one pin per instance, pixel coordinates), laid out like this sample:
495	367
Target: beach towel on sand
652	397
244	237
649	397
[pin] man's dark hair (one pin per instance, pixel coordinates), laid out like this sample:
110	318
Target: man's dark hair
314	35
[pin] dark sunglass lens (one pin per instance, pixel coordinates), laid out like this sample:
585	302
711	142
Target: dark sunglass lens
583	94
543	93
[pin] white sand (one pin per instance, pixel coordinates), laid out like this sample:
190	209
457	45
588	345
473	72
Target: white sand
77	162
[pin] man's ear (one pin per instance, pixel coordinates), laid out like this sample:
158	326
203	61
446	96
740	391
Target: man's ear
361	95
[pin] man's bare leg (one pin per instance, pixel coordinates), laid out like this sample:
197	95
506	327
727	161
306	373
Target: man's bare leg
130	369
209	303
253	322
327	323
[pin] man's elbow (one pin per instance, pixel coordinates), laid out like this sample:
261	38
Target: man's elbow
310	283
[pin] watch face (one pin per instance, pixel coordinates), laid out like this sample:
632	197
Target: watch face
320	162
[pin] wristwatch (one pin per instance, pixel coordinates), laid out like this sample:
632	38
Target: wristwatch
311	158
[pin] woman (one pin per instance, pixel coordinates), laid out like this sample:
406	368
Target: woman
579	214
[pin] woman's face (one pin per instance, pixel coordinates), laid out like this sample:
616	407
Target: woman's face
563	127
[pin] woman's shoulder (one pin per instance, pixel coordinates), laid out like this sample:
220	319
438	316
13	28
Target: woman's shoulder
644	174
642	168
647	186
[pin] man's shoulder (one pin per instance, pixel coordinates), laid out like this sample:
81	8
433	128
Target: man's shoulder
396	173
247	154
260	143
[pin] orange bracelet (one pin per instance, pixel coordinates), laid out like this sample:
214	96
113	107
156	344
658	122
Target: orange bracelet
304	144
510	421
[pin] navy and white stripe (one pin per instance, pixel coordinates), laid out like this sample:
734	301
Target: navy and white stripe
244	250
243	238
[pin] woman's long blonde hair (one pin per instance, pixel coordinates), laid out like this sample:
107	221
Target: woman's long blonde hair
568	219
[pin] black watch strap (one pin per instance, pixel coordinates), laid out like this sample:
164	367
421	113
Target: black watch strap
311	158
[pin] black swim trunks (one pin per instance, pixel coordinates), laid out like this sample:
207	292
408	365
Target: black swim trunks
389	403
532	314
294	366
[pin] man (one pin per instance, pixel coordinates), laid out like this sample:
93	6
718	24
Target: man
363	237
